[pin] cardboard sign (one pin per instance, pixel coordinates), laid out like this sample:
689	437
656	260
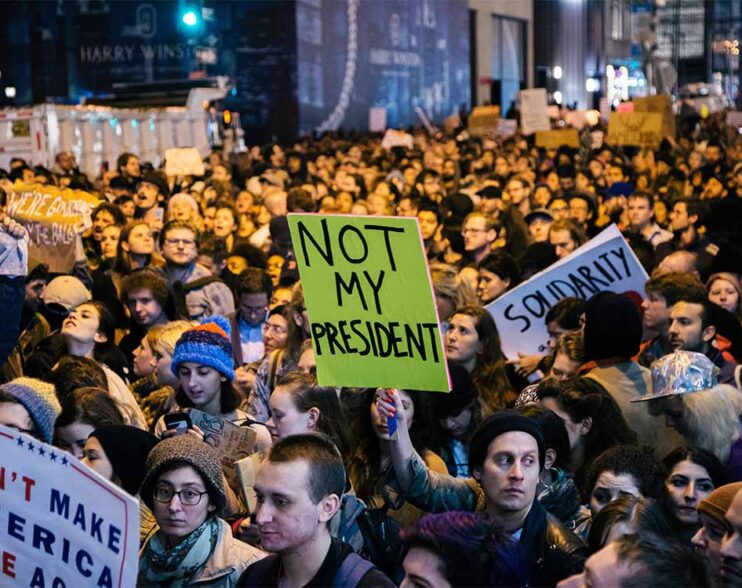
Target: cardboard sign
50	215
183	161
534	111
641	129
372	312
232	442
62	524
660	104
606	262
484	119
558	138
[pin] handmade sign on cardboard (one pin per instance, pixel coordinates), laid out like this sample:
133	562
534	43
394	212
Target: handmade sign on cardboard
368	294
51	216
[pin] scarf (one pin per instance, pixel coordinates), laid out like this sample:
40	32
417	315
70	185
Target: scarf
178	567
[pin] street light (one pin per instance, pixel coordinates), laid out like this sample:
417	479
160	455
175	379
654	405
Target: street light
558	97
557	72
190	18
592	85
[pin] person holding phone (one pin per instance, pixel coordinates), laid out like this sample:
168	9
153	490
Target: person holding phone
202	362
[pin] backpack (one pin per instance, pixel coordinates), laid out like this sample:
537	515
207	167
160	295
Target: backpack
351	571
180	290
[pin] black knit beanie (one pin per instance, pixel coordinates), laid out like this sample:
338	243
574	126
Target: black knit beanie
613	326
501	422
127	449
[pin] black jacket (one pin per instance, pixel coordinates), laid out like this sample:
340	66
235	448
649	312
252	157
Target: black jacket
552	551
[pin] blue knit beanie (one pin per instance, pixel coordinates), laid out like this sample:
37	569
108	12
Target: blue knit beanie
207	344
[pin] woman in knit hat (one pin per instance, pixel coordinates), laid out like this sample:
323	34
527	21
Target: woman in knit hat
202	362
119	454
29	406
184	489
714	526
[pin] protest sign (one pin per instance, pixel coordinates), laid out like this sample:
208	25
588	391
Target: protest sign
641	129
183	161
232	442
367	290
625	107
377	119
484	119
534	111
394	138
660	104
606	262
61	524
506	127
558	138
50	214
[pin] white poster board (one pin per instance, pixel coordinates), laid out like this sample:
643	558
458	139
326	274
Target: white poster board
534	111
183	161
61	524
605	263
377	119
394	138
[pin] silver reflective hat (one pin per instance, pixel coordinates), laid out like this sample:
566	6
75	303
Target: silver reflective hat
681	372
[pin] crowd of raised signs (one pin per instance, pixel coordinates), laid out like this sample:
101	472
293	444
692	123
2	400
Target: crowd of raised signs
612	457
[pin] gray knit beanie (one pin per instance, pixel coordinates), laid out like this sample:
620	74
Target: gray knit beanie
40	400
185	450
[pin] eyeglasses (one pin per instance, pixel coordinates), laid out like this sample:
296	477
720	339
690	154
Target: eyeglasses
185	242
187	497
275	329
464	232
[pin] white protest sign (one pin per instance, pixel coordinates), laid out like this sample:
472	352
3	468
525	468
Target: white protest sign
605	263
377	119
183	161
394	138
534	111
61	524
506	127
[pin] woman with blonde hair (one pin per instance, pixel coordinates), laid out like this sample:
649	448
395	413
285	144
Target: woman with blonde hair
725	290
451	291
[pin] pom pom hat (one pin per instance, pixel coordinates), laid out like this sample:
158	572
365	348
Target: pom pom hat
207	344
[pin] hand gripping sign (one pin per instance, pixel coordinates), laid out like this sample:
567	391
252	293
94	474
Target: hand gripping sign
368	294
61	524
606	262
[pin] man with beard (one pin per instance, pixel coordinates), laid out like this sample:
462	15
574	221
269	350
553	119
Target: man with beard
198	293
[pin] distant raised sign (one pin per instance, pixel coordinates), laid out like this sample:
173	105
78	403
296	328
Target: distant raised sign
640	129
534	111
558	138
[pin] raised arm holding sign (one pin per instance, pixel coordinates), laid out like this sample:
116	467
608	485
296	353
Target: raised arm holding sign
370	302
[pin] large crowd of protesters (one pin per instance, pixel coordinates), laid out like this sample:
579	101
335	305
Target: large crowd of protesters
612	459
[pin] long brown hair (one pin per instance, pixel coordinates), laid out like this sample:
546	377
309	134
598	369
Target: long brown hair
490	373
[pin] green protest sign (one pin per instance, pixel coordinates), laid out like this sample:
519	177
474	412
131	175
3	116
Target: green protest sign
370	302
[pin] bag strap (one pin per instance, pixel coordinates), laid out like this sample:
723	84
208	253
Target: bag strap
351	571
276	358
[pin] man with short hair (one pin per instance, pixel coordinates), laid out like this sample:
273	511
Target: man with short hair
662	293
565	236
506	456
145	293
253	296
299	488
198	293
641	219
638	561
692	328
479	234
